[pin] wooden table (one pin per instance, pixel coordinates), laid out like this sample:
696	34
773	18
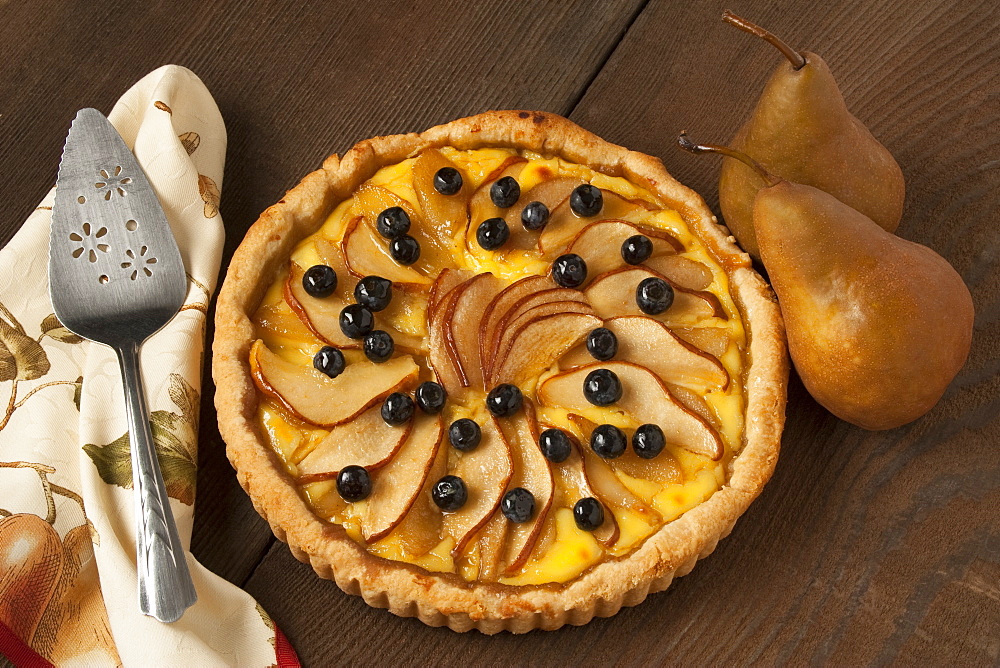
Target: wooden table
865	547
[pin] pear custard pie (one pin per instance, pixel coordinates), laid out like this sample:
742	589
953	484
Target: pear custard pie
500	375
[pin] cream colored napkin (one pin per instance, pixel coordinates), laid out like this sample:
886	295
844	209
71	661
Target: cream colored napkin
67	531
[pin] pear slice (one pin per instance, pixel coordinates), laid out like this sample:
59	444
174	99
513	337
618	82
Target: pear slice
446	280
320	316
330	254
490	542
481	206
650	343
611	491
712	340
364	441
323	401
505	346
540	342
551	193
278	319
419	532
612	294
396	487
599	244
503	325
486	472
574	486
682	271
497	309
435	250
443	215
441	354
644	397
463	326
532	472
367	253
564	225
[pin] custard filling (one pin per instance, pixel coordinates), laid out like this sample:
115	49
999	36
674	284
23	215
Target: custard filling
680	369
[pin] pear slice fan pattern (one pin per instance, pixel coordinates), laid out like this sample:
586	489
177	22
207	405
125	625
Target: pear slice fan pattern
485	359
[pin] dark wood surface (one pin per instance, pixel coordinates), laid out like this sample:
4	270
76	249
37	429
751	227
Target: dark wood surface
865	547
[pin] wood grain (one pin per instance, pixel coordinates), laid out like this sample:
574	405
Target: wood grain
865	547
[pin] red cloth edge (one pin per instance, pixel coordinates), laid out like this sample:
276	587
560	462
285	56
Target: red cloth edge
284	653
21	654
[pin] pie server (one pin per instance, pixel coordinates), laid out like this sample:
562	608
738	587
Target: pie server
115	277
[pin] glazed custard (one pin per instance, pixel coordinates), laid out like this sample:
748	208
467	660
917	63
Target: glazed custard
501	365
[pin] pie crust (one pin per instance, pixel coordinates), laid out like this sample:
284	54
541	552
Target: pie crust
445	599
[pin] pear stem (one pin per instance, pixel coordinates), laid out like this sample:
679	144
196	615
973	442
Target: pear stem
794	57
691	147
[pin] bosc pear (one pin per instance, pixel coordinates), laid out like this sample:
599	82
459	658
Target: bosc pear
802	131
877	326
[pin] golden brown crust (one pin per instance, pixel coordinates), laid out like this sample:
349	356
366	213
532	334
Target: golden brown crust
445	599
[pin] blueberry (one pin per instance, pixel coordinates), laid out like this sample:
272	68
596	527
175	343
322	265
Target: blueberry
393	222
405	249
374	292
654	295
378	345
356	321
319	281
586	200
534	216
601	387
447	181
464	434
569	271
637	249
504	400
330	361
648	441
608	441
354	483
449	493
397	409
492	233
588	513
555	445
505	192
430	397
518	505
602	344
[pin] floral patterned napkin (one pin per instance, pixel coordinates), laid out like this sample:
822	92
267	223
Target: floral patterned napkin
67	535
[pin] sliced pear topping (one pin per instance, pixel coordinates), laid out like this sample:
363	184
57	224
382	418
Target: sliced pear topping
446	280
464	326
435	250
504	345
367	253
644	397
396	487
316	398
612	294
441	354
682	271
419	532
650	343
601	477
330	254
532	472
320	315
712	340
481	207
538	343
365	441
498	308
444	215
564	225
599	244
486	471
551	193
573	482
